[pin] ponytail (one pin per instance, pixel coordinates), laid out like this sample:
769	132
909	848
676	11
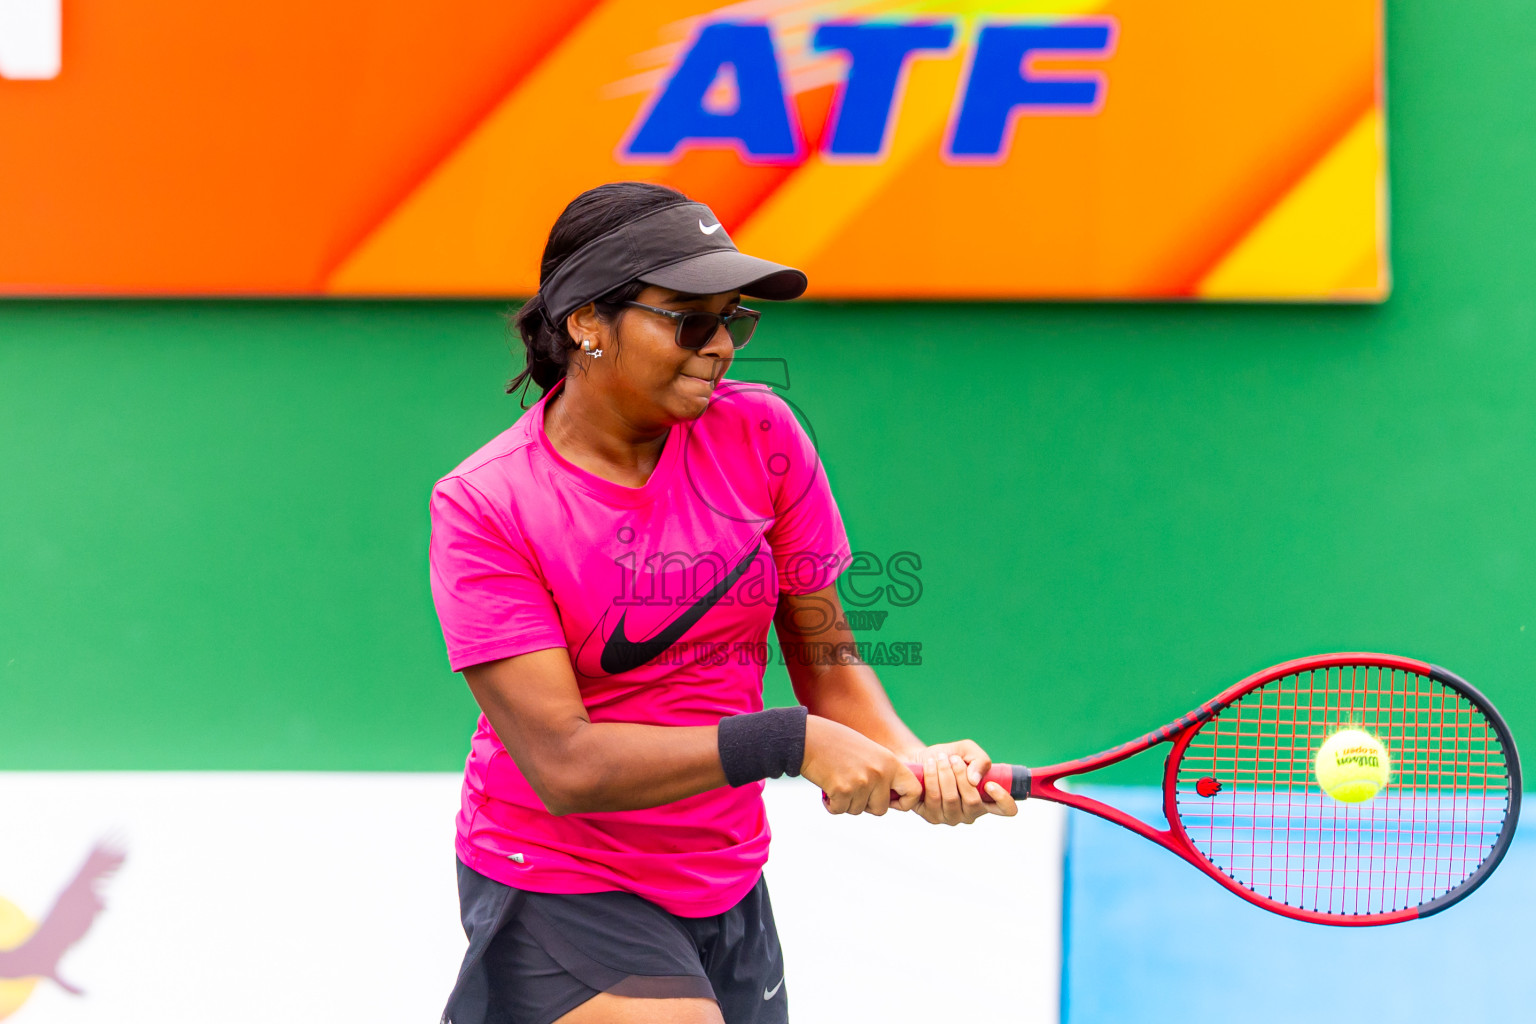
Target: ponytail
547	347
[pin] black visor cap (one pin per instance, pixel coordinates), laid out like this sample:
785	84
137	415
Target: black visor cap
728	270
681	247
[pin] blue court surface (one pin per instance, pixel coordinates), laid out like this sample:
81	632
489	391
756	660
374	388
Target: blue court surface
1147	937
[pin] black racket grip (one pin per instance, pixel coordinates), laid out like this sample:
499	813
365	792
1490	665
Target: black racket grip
1012	777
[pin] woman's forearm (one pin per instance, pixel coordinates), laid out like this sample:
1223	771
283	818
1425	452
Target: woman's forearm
836	684
579	766
621	766
851	693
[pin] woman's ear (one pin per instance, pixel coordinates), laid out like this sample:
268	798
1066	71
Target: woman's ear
584	324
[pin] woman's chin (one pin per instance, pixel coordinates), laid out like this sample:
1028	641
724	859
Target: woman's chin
693	394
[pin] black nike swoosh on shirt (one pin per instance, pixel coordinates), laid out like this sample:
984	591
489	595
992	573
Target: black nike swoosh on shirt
620	654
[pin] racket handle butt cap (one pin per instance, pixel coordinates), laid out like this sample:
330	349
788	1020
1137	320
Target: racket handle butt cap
1018	781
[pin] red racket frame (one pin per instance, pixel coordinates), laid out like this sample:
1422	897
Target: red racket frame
1041	783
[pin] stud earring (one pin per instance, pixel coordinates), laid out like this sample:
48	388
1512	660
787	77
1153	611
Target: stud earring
586	346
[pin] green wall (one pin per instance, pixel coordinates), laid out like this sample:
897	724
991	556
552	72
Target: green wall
213	514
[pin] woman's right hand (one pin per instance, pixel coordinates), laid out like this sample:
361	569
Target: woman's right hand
856	774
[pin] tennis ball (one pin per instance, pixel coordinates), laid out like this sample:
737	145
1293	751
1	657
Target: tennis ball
1352	766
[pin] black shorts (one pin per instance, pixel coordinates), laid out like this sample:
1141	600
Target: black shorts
534	956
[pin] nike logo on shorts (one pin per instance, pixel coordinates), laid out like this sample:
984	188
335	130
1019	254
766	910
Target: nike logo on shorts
769	993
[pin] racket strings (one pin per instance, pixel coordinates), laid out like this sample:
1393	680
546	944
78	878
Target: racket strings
1268	825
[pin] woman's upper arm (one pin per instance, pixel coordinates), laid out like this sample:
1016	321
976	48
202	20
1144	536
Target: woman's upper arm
812	617
534	704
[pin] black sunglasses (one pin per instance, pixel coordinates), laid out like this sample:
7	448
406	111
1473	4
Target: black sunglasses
695	328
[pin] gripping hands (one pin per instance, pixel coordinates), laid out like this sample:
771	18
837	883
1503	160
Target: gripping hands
947	784
856	774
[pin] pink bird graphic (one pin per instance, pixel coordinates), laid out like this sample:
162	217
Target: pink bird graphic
72	915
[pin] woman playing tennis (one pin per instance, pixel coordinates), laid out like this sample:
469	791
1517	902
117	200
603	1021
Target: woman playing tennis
605	572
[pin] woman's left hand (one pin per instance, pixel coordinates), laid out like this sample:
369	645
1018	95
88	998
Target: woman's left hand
951	772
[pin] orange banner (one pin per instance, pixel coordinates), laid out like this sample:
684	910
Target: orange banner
934	148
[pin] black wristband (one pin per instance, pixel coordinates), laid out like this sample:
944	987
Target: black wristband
762	745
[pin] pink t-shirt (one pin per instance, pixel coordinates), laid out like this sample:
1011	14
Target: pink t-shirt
663	595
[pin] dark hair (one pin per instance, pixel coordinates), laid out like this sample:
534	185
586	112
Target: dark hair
590	215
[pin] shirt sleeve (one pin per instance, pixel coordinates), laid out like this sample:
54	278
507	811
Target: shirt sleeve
810	545
491	601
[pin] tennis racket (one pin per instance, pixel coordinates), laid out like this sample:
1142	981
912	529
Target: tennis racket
1243	804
